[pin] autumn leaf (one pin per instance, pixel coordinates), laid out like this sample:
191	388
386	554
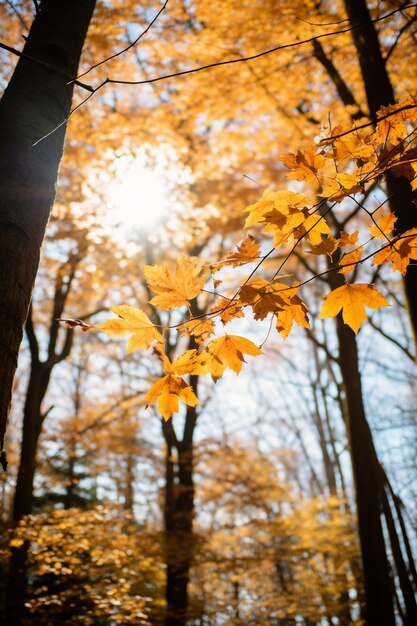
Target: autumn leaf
385	226
228	351
73	323
314	227
246	252
401	251
168	391
172	388
349	260
305	164
133	322
327	246
295	312
348	239
351	300
281	201
228	310
176	289
265	297
200	329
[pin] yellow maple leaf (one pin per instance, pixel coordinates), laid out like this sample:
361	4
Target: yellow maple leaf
305	164
200	329
295	312
265	297
347	239
228	351
314	227
176	289
401	251
326	246
133	322
190	362
228	310
172	388
246	252
274	200
349	260
385	226
168	391
351	300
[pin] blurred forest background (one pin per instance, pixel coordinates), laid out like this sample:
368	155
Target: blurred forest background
242	510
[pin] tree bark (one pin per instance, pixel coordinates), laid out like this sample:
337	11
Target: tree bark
379	92
37	100
179	515
379	609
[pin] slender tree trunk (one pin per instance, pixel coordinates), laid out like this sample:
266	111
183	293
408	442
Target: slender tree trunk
378	585
37	100
379	92
179	514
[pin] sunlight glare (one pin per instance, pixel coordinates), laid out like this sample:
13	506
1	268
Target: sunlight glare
138	196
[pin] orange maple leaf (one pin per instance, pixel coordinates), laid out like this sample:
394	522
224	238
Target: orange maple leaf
228	351
172	388
295	312
348	239
168	391
133	322
176	289
402	250
246	252
305	164
200	329
351	300
385	226
348	261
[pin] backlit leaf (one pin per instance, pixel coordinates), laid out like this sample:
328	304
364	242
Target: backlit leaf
351	300
133	322
176	289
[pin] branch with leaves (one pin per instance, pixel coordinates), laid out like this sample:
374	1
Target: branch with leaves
337	168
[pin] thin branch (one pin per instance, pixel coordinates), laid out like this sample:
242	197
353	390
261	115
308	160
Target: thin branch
22	55
131	44
107	81
392	340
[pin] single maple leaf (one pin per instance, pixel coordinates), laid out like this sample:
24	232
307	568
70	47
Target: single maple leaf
351	300
228	310
280	201
265	297
228	351
402	250
172	388
200	329
168	391
313	227
190	362
246	252
385	226
348	261
176	289
347	239
305	164
133	322
327	246
295	312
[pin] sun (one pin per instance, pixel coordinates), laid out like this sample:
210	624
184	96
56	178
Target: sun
138	196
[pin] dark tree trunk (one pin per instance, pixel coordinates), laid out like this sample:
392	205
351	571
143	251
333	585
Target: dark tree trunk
378	585
379	92
179	514
33	419
37	99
